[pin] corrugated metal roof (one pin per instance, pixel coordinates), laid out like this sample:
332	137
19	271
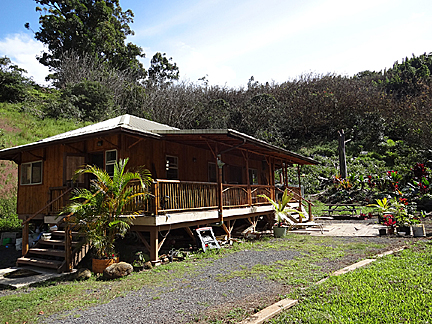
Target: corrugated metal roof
129	122
195	137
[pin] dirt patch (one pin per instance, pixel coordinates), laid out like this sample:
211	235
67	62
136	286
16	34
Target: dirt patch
5	125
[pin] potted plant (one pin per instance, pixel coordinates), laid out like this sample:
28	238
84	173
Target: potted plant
138	263
98	210
281	213
390	222
384	207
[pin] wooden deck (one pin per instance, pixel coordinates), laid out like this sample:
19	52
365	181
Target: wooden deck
173	204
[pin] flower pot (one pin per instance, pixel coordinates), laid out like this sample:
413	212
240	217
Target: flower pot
99	265
279	231
404	229
419	230
382	231
138	268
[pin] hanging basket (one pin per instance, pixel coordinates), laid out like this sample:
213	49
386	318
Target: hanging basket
99	265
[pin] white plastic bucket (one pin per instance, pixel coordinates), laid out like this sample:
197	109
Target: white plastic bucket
18	244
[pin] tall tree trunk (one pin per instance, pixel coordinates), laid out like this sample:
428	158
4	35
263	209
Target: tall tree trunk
342	156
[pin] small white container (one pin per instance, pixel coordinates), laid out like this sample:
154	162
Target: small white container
18	244
46	236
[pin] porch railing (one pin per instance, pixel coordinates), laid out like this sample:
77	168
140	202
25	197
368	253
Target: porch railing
175	195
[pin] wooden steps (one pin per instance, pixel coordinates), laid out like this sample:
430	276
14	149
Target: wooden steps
39	262
57	242
51	253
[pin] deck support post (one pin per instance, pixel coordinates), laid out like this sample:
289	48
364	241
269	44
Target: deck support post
154	244
220	164
68	248
25	238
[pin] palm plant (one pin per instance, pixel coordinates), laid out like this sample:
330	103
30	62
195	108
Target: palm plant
102	212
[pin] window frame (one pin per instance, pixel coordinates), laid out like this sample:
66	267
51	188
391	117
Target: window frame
251	174
110	162
31	173
210	166
168	167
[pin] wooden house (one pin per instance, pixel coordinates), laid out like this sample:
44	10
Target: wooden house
200	176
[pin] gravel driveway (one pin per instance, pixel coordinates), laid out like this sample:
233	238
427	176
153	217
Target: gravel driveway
195	298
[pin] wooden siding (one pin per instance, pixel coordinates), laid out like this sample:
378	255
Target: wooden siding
148	152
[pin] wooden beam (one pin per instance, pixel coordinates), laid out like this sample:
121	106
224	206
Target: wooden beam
189	231
135	143
142	238
226	230
74	148
162	242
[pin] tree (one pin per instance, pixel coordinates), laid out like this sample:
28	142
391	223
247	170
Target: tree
162	70
99	210
13	85
95	27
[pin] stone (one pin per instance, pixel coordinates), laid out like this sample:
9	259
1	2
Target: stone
117	270
148	265
83	274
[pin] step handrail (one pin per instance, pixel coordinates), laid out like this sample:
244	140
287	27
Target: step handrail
25	223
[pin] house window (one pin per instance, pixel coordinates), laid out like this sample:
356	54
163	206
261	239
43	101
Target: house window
171	167
31	173
212	175
110	160
253	176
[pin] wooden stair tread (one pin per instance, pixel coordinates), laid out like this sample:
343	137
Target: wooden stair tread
40	262
62	233
56	242
53	252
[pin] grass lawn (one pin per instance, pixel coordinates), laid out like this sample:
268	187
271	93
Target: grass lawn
394	289
317	257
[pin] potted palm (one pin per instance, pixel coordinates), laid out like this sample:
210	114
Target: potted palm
281	213
101	211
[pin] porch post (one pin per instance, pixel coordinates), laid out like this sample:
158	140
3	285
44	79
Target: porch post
219	164
272	179
299	182
249	191
154	244
155	186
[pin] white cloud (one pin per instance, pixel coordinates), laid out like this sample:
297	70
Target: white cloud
22	50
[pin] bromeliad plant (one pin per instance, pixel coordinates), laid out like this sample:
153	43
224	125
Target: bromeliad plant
102	211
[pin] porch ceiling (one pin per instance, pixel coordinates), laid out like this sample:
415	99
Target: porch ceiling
228	140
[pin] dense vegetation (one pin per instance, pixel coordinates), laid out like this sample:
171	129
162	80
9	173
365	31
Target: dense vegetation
386	115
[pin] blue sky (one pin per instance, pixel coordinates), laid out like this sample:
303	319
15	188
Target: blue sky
272	40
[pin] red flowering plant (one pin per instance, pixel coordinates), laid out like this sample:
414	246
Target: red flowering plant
393	179
403	212
370	182
389	221
420	177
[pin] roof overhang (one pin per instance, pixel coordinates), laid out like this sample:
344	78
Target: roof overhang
228	140
12	153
